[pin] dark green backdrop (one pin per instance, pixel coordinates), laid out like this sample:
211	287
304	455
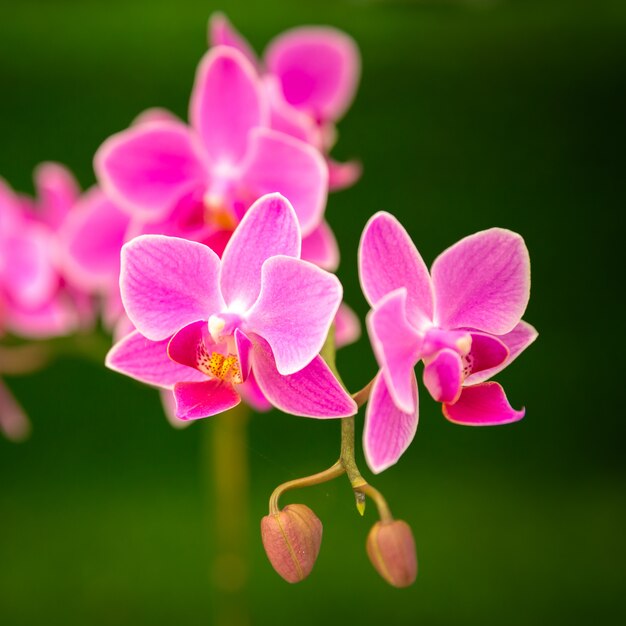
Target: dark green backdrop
469	115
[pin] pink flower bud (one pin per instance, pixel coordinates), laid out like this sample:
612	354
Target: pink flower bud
391	549
292	539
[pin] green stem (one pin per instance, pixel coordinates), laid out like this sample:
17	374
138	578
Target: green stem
227	466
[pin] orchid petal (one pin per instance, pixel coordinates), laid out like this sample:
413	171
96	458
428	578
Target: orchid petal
397	346
210	397
295	309
320	247
167	283
347	326
343	175
483	282
318	67
147	361
149	166
92	238
13	421
312	392
270	227
253	396
244	347
388	260
484	404
226	104
56	317
516	342
277	162
168	401
388	431
487	352
443	376
57	192
223	33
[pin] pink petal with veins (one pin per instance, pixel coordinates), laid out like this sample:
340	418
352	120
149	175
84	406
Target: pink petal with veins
388	431
483	282
147	361
167	283
311	392
294	311
389	260
270	227
397	346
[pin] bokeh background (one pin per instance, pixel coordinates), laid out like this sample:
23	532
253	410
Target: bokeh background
469	115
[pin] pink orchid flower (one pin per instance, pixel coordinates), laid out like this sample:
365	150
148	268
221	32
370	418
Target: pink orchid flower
310	75
463	320
257	318
198	181
36	299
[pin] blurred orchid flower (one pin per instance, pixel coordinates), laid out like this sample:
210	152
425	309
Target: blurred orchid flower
256	320
463	320
310	75
198	181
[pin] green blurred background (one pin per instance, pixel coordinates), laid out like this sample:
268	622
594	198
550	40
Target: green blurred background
469	115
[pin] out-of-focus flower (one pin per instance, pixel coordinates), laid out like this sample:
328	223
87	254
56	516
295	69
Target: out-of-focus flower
258	317
310	75
197	181
463	320
292	539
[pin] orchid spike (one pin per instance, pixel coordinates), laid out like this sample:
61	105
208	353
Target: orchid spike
256	318
463	320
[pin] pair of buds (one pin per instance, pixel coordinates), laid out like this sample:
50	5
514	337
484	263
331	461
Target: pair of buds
292	539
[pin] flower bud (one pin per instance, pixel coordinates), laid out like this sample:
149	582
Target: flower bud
292	539
391	549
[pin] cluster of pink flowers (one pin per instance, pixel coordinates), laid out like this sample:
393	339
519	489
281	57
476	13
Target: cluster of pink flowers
205	250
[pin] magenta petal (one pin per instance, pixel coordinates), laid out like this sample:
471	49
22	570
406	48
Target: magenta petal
223	33
389	260
397	346
343	175
167	283
147	361
483	282
388	431
312	392
318	67
196	400
187	345
295	309
13	421
92	238
482	405
270	227
320	247
168	401
277	162
516	342
487	352
150	166
347	326
226	104
443	376
57	192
